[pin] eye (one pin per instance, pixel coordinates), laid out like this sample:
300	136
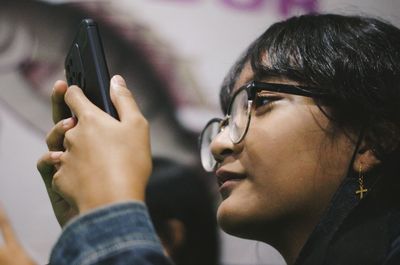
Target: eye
261	101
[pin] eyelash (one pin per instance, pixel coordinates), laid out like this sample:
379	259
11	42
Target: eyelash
261	101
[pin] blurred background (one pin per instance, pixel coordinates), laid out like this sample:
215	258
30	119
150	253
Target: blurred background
174	55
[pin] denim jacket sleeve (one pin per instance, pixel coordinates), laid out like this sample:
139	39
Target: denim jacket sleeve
114	235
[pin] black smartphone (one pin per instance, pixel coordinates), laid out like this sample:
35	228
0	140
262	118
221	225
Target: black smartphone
86	66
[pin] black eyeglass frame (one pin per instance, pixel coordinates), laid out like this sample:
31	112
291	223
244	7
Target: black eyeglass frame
252	88
255	86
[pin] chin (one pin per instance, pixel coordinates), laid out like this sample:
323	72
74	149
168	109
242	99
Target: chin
245	222
231	227
234	222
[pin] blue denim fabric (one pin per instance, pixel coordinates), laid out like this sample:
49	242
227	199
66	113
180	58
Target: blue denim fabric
118	234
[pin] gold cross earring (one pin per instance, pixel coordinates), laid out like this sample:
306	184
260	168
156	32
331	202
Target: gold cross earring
362	190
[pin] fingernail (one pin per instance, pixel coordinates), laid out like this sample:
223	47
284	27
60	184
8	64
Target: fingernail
67	122
56	155
117	81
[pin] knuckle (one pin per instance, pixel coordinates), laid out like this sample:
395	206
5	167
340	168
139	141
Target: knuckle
87	115
66	144
51	135
139	121
68	139
45	167
122	91
68	94
71	94
40	165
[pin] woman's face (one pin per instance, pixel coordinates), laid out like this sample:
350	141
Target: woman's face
282	175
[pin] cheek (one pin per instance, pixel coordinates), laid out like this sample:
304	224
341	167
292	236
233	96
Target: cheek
284	145
293	163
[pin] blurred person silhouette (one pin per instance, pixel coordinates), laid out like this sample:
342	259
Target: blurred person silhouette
181	206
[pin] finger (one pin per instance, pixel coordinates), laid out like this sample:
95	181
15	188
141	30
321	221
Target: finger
47	166
55	139
6	229
122	98
59	107
78	102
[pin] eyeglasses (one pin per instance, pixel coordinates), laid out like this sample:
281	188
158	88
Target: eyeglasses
239	114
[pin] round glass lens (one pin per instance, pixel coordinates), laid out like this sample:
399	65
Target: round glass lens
239	116
208	134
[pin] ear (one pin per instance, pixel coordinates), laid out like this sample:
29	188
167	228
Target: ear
177	237
365	159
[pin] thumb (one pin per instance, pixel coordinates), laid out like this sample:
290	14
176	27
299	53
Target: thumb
6	229
122	98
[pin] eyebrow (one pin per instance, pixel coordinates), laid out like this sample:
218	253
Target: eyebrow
264	92
288	89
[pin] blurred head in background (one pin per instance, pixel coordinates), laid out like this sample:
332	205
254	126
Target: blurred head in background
182	208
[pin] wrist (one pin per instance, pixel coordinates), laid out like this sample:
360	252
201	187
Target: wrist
91	205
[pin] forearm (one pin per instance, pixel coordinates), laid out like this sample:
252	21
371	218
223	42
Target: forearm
117	234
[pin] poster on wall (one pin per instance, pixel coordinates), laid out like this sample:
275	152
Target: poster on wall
174	55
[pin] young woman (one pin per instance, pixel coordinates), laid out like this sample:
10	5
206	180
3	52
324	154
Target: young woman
307	156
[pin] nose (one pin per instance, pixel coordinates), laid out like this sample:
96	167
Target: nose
222	146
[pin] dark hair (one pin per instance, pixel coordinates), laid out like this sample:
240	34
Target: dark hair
176	191
353	59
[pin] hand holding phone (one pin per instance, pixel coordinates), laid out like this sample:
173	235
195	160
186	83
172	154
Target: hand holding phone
86	67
